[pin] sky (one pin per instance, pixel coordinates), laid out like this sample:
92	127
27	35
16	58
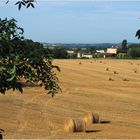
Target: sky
77	21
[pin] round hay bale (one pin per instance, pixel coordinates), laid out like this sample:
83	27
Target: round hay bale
96	118
75	125
88	117
80	125
91	117
1	137
1	134
69	126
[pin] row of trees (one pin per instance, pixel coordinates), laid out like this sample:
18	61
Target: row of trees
129	51
59	53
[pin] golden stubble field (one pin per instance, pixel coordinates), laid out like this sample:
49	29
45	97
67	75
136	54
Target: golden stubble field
108	87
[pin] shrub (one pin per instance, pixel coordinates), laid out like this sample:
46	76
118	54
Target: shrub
134	51
122	56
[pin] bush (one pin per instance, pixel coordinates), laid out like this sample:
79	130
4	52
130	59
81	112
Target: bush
122	56
134	52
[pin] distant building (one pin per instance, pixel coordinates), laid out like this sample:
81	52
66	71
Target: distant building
100	51
109	52
87	56
70	52
112	50
79	55
82	55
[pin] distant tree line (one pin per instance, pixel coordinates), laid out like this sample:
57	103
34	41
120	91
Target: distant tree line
59	53
131	51
125	51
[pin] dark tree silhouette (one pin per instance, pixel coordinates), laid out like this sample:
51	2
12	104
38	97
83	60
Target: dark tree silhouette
138	34
124	46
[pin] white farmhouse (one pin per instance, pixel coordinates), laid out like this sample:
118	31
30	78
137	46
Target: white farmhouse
70	52
109	52
87	56
112	50
82	55
100	51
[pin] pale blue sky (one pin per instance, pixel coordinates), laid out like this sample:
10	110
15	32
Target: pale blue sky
77	21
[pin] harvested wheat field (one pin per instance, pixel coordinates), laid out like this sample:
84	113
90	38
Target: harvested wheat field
110	88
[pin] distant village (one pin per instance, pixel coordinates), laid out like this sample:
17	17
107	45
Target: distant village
102	53
88	52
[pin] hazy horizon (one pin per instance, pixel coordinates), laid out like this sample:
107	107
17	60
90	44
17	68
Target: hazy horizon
89	43
85	22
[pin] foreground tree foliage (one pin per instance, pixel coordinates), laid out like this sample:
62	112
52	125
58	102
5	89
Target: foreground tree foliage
22	59
25	3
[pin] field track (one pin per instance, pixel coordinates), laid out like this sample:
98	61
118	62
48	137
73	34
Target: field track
108	87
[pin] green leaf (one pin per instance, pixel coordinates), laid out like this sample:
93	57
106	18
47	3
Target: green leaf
11	79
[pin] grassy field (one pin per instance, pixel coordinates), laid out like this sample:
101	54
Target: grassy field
110	88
